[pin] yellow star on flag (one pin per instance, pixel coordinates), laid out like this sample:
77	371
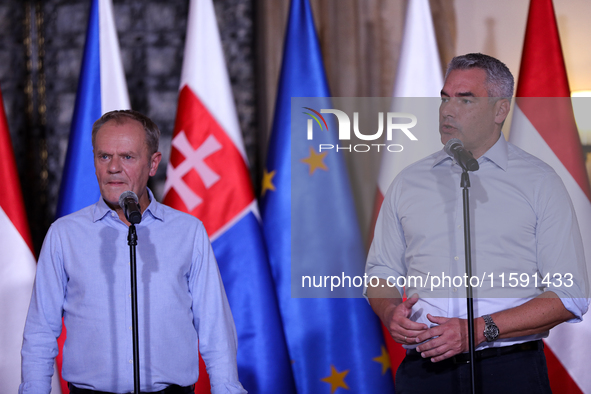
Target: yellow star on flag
336	379
383	359
315	161
268	181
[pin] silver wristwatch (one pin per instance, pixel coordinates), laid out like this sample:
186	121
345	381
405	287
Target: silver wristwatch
491	331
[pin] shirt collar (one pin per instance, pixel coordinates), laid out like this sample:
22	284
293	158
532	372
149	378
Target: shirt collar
497	154
101	208
155	209
440	157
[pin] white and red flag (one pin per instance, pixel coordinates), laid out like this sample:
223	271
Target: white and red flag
418	76
17	264
207	176
546	128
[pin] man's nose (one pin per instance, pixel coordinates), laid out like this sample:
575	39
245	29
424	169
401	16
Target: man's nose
114	165
448	108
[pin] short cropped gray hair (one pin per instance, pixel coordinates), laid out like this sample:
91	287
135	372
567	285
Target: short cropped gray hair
119	116
499	80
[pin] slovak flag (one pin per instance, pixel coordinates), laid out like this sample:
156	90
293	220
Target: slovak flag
101	88
207	176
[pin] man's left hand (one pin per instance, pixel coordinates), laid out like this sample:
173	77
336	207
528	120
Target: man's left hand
448	338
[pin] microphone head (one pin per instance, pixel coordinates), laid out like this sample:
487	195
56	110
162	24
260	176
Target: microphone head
126	195
130	208
451	145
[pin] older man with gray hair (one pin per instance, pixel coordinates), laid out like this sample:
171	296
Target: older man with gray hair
83	276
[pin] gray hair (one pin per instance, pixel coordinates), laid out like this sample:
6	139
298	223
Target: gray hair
119	116
499	79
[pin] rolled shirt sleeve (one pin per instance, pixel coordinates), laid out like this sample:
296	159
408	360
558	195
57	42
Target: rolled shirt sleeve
559	247
44	319
213	319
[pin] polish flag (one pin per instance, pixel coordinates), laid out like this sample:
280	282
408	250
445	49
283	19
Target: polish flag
17	265
208	177
418	75
546	128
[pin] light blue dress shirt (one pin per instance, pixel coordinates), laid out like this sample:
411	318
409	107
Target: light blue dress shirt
84	274
522	223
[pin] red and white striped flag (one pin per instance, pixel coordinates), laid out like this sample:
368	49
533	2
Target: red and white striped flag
418	75
546	128
17	264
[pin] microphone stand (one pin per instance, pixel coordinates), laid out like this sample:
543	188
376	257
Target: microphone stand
132	242
465	184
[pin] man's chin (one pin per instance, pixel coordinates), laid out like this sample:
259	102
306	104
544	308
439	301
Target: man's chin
446	137
111	195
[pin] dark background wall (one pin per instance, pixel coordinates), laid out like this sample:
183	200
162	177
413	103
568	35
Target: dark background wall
41	44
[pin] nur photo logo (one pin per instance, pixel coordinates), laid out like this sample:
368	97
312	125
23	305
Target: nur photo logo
394	122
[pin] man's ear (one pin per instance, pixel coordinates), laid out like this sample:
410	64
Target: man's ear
154	161
502	107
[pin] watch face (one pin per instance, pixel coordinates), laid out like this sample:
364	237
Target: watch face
491	333
495	332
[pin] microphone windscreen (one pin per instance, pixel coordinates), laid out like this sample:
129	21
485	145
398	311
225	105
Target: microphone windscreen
126	195
450	145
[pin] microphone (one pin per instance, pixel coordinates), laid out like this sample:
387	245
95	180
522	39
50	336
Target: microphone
455	148
129	202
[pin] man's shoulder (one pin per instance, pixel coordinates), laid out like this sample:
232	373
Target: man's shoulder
419	170
528	167
180	218
527	160
423	165
75	223
82	215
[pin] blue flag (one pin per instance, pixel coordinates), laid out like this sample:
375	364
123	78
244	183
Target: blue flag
310	228
101	88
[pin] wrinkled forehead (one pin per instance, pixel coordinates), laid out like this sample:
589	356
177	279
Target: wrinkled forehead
466	83
122	128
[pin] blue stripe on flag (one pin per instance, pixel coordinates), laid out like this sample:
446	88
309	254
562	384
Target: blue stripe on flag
79	187
263	362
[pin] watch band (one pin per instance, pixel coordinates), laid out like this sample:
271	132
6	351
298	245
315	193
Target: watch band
491	331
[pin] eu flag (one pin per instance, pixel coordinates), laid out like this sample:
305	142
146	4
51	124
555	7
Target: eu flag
310	227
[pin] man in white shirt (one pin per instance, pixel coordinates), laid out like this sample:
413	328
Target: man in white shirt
523	224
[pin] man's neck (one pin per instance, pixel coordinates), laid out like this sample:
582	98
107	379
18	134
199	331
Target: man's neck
486	145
